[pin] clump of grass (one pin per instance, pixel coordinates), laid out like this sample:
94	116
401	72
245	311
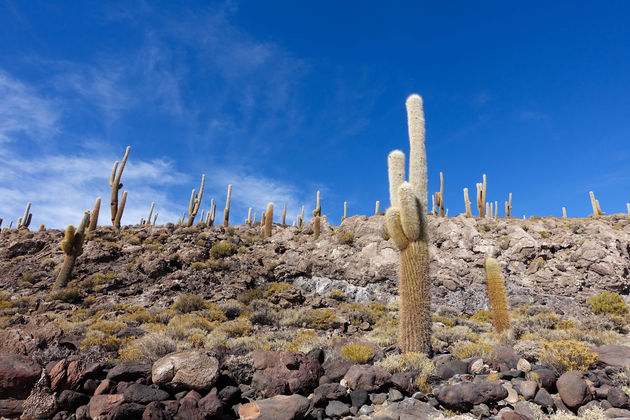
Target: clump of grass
411	361
346	237
322	319
357	352
223	249
189	303
69	294
337	294
466	349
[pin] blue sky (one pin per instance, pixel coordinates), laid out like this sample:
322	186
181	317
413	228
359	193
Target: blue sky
282	99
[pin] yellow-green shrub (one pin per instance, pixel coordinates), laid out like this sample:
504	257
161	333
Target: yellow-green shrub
357	352
322	319
223	249
608	303
567	355
466	349
407	362
107	327
189	303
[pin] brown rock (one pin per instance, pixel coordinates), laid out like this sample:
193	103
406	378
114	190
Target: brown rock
281	407
18	374
211	405
617	398
11	408
107	386
574	389
16	341
103	404
281	372
368	377
613	355
154	411
41	403
190	369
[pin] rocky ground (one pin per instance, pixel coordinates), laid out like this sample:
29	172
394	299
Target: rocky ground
212	322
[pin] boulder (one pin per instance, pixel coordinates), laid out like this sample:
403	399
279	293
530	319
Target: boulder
407	409
463	396
126	411
18	374
211	405
284	372
337	409
102	404
11	407
71	400
144	394
617	398
613	355
190	369
281	407
129	372
574	389
367	377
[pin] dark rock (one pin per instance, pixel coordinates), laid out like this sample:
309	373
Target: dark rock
463	396
281	372
71	400
106	387
317	354
230	395
328	392
11	407
480	411
613	413
129	371
127	411
452	368
404	382
359	397
18	374
336	368
188	410
337	409
102	404
378	398
90	385
528	389
511	415
506	355
211	405
573	389
510	374
368	377
154	411
545	378
617	398
543	399
144	394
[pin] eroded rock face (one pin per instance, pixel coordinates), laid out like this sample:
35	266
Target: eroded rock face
18	374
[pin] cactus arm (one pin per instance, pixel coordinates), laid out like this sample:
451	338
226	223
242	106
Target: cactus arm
72	246
345	211
284	214
417	151
94	217
248	221
195	202
114	183
150	212
316	227
396	174
467	203
226	211
268	220
121	209
496	292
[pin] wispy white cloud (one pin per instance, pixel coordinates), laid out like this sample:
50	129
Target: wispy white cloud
23	111
62	187
532	115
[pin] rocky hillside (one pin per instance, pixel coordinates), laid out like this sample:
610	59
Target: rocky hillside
220	323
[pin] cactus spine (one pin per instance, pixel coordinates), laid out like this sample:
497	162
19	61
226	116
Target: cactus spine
25	221
114	183
406	225
439	196
226	211
467	203
508	207
284	214
481	197
377	209
496	292
268	220
72	246
94	217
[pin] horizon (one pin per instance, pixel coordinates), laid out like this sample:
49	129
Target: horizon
282	102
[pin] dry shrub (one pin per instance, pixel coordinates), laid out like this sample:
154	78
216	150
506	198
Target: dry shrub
566	355
189	303
232	308
410	361
608	303
359	353
466	349
148	348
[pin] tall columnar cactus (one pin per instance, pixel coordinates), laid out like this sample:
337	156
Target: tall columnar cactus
195	202
406	225
496	292
115	184
226	211
211	213
317	214
154	218
268	220
345	211
72	246
148	222
467	203
597	211
94	217
25	221
481	197
284	214
121	208
508	207
439	196
248	221
564	212
627	205
377	208
496	209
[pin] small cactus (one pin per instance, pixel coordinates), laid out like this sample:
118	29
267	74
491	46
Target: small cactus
496	292
115	184
439	196
284	214
317	214
148	221
268	220
345	211
72	246
597	211
42	228
248	221
25	221
564	212
377	208
508	207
